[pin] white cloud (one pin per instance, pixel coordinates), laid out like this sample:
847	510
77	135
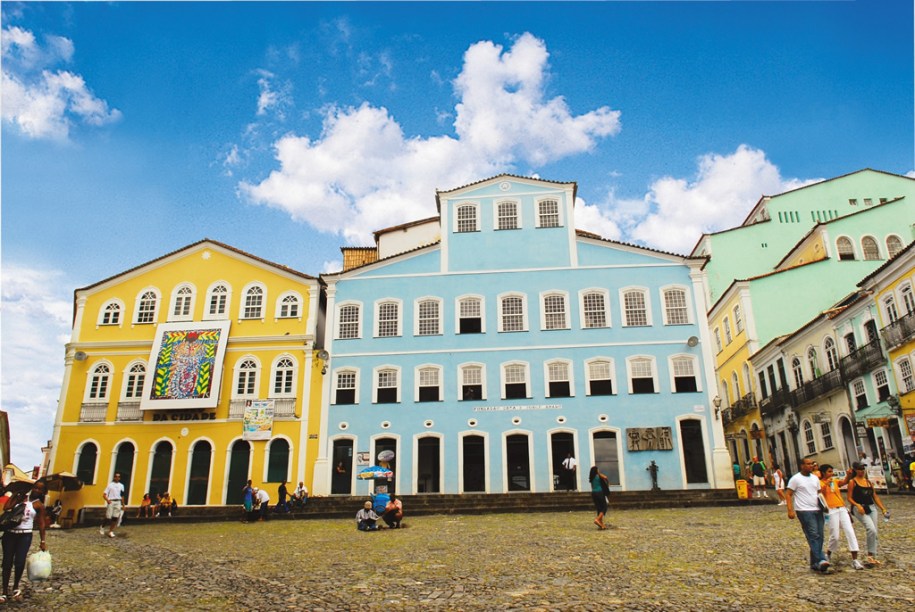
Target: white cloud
676	211
363	173
35	326
272	98
44	103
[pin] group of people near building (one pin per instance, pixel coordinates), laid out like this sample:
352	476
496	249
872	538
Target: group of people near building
392	515
256	500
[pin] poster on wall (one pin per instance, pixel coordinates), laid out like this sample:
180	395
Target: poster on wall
258	420
185	366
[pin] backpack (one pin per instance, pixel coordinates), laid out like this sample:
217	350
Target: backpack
11	518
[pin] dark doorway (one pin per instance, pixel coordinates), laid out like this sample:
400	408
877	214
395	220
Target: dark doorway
161	469
85	467
517	463
381	445
200	474
693	451
278	463
342	480
238	472
606	455
428	466
123	465
848	442
474	464
562	445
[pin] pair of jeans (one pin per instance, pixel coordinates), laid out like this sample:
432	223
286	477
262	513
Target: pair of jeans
869	520
15	549
812	523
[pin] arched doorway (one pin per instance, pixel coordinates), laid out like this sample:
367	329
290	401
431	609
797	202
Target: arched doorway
606	455
85	463
693	451
278	462
123	465
239	459
199	478
428	465
387	444
562	444
849	448
517	463
161	469
342	475
474	464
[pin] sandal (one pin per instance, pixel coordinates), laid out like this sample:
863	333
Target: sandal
2	599
17	595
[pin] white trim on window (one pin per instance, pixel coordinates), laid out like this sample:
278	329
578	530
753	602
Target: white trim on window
517	319
641	361
351	328
457	311
99	379
600	365
253	303
511	220
477	369
111	313
515	372
352	374
132	381
290	376
550	372
181	305
549	212
676	309
870	248
246	371
590	313
420	376
629	312
463	222
894	245
289	305
554	310
146	307
218	301
426	320
376	371
684	365
845	249
391	326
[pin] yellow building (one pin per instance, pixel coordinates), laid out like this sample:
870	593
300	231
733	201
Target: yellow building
163	361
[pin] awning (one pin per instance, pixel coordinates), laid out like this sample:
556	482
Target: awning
63	481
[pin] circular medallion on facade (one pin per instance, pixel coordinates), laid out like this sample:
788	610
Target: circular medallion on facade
343	425
516	421
428	424
560	419
505	186
472	422
602	418
206	254
184	432
385	424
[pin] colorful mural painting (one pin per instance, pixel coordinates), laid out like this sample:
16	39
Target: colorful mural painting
186	360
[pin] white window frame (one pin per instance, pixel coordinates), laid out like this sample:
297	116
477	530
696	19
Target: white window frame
338	322
227	302
735	382
417	320
242	308
687	304
281	301
695	364
560	222
108	375
810	439
864	248
877	384
417	379
334	388
902	366
797	371
236	374
457	311
718	345
906	297
894	249
570	370
566	314
460	380
889	308
845	241
831	353
376	323
646	296
375	371
728	336
274	370
104	309
824	433
614	381
654	372
583	314
497	216
139	301
129	376
738	319
526	368
187	293
524	311
476	217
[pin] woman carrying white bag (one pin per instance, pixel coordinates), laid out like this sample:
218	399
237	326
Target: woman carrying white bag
17	540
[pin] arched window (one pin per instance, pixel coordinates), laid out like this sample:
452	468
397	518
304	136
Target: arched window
832	354
554	311
870	248
507	215
147	303
133	383
85	462
246	379
278	461
471	383
889	309
429	384
284	378
254	303
641	375
428	318
467	218
289	307
111	314
813	362
182	304
735	383
675	307
387	315
548	213
98	383
345	389
893	246
635	310
515	381
594	309
348	321
217	301
684	371
511	314
559	382
600	377
160	476
798	371
387	386
470	315
908	299
123	465
845	249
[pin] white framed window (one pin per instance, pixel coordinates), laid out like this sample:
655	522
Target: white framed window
859	391
253	299
469	313
428	383
882	385
147	308
111	312
813	362
826	435
907	298
99	384
387	318
472	382
600	372
889	309
428	318
284	376
387	385
467	218
738	320
512	312
845	248
728	338
735	383
346	386
289	306
869	248
349	320
558	376
595	308
798	370
832	353
548	213
515	377
683	373
676	306
642	374
134	378
182	305
747	378
247	372
809	438
904	372
636	312
893	246
718	345
219	296
508	215
554	310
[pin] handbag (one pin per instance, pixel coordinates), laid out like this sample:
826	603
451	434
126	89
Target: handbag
11	518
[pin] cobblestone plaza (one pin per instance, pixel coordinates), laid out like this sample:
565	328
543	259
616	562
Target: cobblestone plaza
724	558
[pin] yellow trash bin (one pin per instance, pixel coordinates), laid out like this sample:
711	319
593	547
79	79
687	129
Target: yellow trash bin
742	489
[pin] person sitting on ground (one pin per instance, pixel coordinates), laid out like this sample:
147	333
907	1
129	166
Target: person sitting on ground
263	500
300	495
393	512
54	513
366	518
145	510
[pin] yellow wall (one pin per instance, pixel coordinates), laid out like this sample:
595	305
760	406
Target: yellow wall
907	277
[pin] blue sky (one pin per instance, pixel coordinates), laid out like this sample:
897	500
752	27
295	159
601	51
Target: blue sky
290	129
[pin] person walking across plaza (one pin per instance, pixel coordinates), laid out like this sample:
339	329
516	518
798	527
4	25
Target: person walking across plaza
758	469
864	503
114	498
839	519
600	489
17	540
802	499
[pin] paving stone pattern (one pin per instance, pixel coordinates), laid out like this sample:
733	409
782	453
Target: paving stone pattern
731	558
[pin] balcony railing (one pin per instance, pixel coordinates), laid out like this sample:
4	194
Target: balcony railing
93	413
282	407
899	331
775	402
818	387
237	409
862	360
129	411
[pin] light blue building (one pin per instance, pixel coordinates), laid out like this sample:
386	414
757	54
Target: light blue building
485	345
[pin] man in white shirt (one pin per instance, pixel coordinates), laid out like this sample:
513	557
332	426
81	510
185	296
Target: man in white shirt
300	495
802	499
569	465
261	495
114	500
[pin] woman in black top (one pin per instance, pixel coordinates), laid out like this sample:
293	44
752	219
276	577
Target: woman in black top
864	504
